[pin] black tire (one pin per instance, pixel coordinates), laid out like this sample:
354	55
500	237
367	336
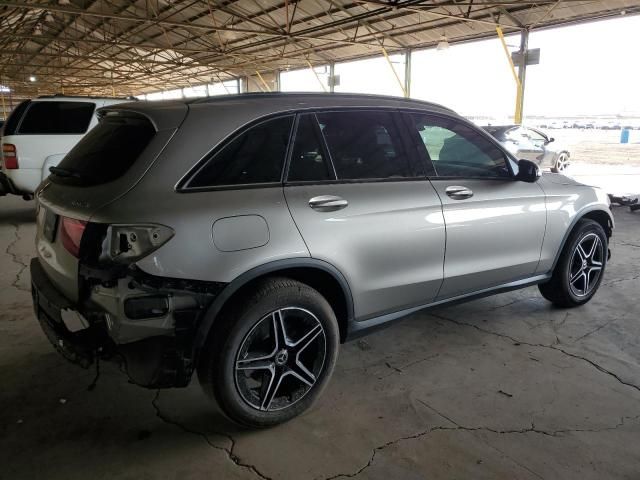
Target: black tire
559	290
250	320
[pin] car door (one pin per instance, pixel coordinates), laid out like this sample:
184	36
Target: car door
531	147
541	142
364	205
495	224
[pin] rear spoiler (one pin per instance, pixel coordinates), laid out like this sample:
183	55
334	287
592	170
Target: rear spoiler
163	115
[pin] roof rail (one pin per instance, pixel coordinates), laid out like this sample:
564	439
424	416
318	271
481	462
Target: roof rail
62	95
230	97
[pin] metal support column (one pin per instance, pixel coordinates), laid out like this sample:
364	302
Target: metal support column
407	73
332	72
276	75
522	75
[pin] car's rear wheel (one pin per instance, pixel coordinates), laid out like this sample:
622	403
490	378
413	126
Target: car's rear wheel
562	163
580	269
273	353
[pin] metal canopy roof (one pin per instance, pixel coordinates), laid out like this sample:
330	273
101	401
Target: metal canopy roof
120	47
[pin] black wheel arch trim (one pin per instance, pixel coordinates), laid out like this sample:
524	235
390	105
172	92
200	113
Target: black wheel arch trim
216	306
579	216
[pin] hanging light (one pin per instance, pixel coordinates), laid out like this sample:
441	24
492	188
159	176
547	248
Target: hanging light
49	17
443	44
32	78
37	30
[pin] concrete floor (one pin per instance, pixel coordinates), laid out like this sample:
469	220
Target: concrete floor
505	387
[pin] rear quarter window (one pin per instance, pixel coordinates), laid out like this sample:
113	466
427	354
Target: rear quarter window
45	118
253	157
106	152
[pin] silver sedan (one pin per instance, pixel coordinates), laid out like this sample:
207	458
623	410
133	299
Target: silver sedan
532	144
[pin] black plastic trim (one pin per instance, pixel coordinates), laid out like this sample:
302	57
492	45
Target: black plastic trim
360	327
579	216
272	267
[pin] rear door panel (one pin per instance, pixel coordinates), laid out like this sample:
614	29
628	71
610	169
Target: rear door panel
388	242
381	223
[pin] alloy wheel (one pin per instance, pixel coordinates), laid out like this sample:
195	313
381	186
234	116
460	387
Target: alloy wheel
562	162
586	265
280	359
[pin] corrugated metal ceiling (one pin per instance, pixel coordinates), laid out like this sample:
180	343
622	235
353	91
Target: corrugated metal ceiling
128	47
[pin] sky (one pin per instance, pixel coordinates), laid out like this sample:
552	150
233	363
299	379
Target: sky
588	69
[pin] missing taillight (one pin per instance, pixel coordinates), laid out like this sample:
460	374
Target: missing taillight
9	156
71	232
126	244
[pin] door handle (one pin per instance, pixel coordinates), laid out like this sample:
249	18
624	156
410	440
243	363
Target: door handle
327	203
458	192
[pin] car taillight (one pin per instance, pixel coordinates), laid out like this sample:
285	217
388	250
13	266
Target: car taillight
10	156
71	231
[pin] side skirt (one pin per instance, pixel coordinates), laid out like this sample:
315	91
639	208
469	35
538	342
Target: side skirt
358	328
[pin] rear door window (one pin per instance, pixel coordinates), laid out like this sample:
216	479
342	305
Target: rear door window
106	152
44	118
309	162
366	145
254	156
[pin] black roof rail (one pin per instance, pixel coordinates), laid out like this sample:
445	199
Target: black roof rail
62	95
230	97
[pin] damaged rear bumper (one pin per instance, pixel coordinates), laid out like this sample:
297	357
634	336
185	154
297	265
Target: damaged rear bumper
156	357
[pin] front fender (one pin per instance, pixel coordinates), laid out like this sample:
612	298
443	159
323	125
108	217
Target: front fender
585	212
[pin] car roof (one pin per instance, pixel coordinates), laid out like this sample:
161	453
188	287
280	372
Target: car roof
169	113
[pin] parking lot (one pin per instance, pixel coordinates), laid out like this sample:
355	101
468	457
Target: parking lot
504	387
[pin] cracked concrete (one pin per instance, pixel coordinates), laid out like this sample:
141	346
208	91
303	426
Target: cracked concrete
504	387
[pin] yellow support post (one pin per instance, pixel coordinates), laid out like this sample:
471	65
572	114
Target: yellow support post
263	82
324	89
393	69
517	118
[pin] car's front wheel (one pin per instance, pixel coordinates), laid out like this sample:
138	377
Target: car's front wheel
272	353
580	269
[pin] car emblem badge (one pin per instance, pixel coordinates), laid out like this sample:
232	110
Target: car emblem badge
281	357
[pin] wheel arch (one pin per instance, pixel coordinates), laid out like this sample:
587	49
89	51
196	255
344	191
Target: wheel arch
595	213
318	274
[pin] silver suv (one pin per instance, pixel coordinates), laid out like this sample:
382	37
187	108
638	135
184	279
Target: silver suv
246	237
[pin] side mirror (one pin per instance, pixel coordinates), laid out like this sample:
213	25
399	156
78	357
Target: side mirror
528	171
549	140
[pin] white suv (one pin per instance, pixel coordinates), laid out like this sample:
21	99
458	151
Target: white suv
39	133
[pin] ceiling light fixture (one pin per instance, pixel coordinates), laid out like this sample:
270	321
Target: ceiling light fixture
32	78
443	44
37	30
